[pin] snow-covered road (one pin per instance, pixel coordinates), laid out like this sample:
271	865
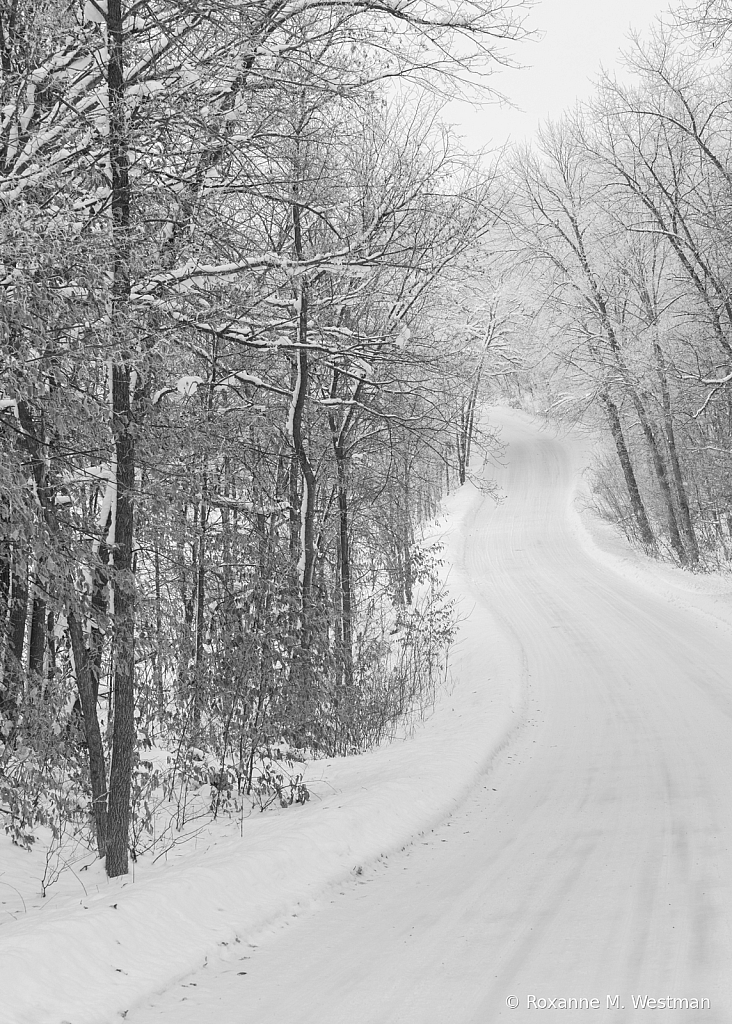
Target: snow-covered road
591	861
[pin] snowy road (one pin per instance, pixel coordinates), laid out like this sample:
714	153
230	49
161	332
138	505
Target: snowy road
591	861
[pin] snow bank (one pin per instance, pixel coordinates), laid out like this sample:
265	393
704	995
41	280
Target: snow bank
86	960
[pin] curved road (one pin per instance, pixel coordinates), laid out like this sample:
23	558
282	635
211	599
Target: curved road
593	859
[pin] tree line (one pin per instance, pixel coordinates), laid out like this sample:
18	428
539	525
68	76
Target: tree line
233	383
620	230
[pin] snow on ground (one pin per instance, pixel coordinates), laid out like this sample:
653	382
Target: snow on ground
95	948
590	862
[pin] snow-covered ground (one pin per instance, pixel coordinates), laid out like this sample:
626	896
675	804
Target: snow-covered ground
559	827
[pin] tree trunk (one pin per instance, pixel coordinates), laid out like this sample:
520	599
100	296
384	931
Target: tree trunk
18	615
51	643
16	623
95	747
158	661
656	455
471	421
407	538
338	434
306	563
184	645
691	543
344	567
200	590
123	734
5	558
661	475
37	643
636	502
461	446
99	606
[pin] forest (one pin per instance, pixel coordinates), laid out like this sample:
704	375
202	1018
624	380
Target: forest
234	245
254	293
620	214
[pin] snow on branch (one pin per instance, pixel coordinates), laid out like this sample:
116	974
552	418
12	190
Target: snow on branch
188	385
197	273
716	387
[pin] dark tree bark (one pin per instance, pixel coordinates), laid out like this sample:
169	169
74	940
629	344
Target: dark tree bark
406	538
307	497
600	303
51	644
95	747
299	396
16	621
649	433
467	423
99	604
18	614
185	640
200	590
123	734
636	502
659	466
293	495
5	582
343	547
158	661
687	525
5	557
37	642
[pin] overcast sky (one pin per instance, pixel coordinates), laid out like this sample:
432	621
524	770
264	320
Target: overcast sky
577	36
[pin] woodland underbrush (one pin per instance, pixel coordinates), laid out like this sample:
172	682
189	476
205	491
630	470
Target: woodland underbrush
242	748
607	498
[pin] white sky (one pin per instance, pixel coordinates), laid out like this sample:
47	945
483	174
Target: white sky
577	37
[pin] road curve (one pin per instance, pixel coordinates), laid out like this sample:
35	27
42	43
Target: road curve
593	859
